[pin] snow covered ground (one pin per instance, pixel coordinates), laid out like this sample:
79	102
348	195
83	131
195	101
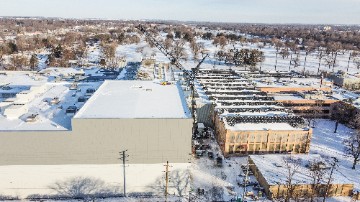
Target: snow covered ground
329	144
23	181
312	62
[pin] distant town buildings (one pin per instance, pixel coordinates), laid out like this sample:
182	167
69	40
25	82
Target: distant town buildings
347	81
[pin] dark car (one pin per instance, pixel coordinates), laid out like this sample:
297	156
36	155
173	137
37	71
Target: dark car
211	155
248	184
219	161
205	147
258	188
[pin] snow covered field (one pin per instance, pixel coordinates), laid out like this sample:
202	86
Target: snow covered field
23	181
329	144
312	62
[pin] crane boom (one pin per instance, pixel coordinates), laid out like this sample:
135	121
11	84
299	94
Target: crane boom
189	75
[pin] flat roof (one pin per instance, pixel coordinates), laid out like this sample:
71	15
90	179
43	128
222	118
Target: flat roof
50	117
261	126
273	168
136	99
287	97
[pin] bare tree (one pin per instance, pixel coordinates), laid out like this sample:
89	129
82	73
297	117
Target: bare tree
1	56
179	182
178	50
195	49
83	187
356	60
168	43
292	166
317	172
329	60
333	49
352	54
333	164
109	51
309	47
33	62
317	111
293	50
219	55
18	62
320	55
278	44
223	41
352	147
284	52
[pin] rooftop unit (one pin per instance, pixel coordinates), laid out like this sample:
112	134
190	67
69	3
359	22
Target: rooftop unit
73	86
54	101
32	118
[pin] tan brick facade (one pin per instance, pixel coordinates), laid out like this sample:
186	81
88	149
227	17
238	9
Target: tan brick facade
261	141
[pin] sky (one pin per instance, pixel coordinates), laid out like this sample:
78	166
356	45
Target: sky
242	11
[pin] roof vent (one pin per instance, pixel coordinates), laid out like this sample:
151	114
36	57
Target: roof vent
136	86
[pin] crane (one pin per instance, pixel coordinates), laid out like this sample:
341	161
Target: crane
189	75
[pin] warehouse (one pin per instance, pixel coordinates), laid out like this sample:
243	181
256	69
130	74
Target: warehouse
149	120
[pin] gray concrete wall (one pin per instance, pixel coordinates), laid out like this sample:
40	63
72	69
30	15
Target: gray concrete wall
99	141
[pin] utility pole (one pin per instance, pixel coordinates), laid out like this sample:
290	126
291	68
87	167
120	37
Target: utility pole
123	157
166	179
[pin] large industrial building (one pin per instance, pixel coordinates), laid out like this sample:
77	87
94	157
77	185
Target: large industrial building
248	121
149	120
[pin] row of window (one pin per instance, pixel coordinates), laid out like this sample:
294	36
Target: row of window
266	138
263	147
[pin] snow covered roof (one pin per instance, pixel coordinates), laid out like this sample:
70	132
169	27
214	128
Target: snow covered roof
288	97
50	117
275	171
136	99
260	126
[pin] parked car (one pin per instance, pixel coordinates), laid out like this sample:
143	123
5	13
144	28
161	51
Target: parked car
250	183
199	153
219	161
205	147
211	155
259	188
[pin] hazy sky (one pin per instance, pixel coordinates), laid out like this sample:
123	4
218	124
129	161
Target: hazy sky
253	11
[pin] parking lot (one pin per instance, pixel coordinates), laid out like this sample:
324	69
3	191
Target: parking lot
225	175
